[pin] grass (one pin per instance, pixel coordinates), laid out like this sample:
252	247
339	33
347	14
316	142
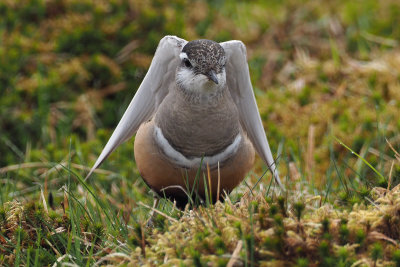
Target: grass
279	230
321	73
89	228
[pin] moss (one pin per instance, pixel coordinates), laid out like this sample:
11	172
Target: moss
338	241
376	252
2	215
302	262
396	257
360	236
298	208
325	225
196	256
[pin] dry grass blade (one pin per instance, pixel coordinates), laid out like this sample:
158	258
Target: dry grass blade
397	154
379	39
44	201
235	254
209	181
126	51
219	183
112	256
178	187
60	259
379	236
157	211
310	149
390	177
29	165
294	173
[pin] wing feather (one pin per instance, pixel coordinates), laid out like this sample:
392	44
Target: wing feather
148	97
239	84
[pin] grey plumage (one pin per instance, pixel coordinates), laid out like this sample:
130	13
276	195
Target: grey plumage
205	140
161	78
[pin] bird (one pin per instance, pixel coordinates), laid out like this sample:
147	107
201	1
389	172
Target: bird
196	121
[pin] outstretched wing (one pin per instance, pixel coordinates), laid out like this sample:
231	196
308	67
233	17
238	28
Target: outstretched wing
239	84
149	95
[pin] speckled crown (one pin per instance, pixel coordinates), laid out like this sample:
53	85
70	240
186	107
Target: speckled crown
206	54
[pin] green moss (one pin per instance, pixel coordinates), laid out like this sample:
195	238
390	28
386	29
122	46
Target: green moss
305	96
273	210
219	243
360	236
2	215
324	249
396	257
196	256
282	206
376	251
302	262
298	208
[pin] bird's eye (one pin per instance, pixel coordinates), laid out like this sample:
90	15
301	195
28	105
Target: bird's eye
187	63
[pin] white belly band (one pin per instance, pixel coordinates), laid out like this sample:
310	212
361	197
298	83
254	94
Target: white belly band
179	159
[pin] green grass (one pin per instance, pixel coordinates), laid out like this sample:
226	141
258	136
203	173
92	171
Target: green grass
321	73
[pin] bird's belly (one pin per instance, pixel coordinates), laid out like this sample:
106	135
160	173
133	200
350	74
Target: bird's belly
167	175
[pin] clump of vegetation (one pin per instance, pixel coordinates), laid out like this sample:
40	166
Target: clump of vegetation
245	235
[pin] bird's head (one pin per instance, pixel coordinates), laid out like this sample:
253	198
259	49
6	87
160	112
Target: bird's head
202	67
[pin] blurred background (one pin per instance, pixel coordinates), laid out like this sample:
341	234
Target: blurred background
320	69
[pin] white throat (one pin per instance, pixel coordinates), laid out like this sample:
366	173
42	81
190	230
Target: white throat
199	83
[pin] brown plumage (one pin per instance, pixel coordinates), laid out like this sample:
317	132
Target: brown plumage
160	173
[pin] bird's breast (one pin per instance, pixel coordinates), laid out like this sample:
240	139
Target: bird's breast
192	132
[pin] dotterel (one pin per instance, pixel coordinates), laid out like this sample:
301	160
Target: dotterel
194	115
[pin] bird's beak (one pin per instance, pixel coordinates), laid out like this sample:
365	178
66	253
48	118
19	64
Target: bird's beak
212	76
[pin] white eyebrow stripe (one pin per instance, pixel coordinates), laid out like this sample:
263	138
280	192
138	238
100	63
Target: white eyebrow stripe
183	55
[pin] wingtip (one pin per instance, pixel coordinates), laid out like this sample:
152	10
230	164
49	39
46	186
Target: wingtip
94	167
275	174
278	181
89	174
